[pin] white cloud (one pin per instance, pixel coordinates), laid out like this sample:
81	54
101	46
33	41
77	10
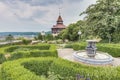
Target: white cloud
5	11
23	13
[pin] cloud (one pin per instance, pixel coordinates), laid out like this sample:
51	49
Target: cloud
39	14
36	2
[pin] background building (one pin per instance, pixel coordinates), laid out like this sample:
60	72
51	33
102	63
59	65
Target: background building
59	26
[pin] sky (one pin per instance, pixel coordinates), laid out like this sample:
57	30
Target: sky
39	15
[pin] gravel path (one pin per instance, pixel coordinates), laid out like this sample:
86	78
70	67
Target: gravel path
68	54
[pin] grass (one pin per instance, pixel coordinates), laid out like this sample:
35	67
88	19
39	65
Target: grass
0	72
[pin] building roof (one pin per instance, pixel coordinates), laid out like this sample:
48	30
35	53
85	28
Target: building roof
59	26
59	19
59	23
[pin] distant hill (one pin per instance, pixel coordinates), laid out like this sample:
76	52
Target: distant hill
21	33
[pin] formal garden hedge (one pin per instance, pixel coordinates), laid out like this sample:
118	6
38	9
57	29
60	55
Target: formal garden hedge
25	51
34	68
112	49
2	58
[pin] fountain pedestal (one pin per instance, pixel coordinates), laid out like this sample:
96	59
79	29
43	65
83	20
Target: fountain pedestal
92	56
91	48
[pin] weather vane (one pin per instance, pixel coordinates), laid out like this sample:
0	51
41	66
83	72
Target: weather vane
60	10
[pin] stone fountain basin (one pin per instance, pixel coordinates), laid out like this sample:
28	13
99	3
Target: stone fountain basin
100	58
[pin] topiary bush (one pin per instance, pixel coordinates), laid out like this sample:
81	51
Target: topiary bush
33	68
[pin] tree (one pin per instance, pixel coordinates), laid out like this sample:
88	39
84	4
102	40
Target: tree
39	36
26	41
103	19
10	38
71	32
49	37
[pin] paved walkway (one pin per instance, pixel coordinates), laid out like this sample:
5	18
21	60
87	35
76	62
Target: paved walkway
68	54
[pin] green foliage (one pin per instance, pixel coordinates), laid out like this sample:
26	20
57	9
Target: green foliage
71	32
2	58
103	19
79	46
39	37
49	37
11	71
68	46
25	41
39	47
0	73
54	68
9	38
112	49
40	67
42	50
53	76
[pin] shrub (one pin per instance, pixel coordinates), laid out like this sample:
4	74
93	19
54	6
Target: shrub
2	58
14	71
112	49
31	47
69	46
25	41
11	48
33	68
32	51
19	54
40	67
80	46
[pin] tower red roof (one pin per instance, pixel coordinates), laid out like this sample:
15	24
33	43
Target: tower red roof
59	25
59	19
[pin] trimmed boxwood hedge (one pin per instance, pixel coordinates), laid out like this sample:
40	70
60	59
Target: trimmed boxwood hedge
42	50
25	51
2	58
39	47
112	49
33	68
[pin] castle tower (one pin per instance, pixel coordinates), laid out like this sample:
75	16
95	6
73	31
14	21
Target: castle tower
59	25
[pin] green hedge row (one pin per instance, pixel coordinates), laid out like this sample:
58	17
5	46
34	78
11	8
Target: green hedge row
2	58
40	47
79	46
112	49
25	51
36	51
33	68
14	71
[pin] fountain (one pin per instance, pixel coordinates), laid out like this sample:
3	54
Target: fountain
92	56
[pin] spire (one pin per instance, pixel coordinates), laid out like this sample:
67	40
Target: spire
59	11
59	20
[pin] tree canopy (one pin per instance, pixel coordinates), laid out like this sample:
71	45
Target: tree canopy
103	18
